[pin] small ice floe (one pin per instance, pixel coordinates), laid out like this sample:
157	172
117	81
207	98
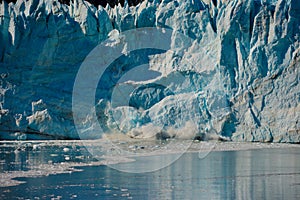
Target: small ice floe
66	149
224	138
35	147
17	150
79	157
125	195
56	198
67	157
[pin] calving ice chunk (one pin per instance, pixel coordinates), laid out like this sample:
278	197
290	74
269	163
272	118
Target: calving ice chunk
231	69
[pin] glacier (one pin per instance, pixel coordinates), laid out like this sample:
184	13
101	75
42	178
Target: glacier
241	81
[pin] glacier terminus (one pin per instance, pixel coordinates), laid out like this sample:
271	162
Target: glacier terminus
231	69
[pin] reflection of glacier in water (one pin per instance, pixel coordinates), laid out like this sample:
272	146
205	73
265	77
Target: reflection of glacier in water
250	174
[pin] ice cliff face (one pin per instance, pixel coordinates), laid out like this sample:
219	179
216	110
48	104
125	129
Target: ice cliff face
243	83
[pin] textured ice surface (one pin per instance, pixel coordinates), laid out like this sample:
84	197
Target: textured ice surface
241	80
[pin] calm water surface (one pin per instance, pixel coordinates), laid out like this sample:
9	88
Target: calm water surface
254	174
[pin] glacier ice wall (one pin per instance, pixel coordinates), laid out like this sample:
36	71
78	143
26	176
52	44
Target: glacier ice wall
245	59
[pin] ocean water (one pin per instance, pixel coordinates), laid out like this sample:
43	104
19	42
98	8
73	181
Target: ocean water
249	174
